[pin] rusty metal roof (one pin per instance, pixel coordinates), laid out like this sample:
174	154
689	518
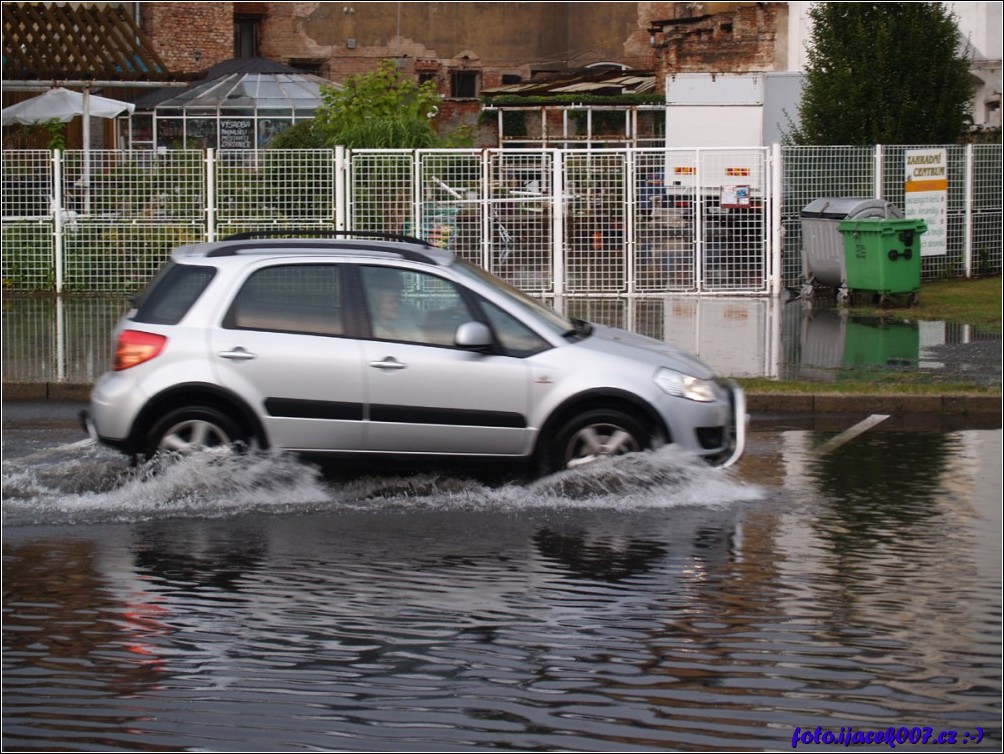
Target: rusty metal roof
43	42
581	82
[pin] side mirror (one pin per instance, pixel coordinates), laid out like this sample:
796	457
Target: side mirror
474	336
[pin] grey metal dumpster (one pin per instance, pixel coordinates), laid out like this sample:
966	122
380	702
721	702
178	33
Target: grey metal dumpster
823	245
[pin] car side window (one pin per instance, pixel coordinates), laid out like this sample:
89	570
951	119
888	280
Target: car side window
303	298
516	338
412	306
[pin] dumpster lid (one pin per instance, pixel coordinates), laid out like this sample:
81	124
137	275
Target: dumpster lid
882	225
849	208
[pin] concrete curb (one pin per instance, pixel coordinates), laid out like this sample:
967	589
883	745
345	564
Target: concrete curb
756	403
827	403
55	392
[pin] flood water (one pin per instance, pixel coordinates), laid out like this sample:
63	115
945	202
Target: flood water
652	603
47	339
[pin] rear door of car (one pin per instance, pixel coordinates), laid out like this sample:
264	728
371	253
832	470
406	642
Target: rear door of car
425	395
284	346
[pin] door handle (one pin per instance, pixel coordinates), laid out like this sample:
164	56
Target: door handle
389	363
237	354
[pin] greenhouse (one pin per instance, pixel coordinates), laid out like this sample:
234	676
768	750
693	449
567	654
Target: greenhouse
241	104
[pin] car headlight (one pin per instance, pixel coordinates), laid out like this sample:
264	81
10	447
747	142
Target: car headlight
685	386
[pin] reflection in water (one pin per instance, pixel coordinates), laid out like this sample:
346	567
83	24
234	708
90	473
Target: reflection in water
71	637
657	604
181	557
857	475
608	560
832	341
69	340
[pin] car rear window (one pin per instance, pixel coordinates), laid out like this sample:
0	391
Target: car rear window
171	294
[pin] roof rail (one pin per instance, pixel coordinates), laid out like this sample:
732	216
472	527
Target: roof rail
291	233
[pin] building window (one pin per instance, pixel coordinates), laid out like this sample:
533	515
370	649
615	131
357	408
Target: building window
464	84
315	66
246	36
511	78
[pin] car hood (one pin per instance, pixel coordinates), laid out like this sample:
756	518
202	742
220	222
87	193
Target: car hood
614	341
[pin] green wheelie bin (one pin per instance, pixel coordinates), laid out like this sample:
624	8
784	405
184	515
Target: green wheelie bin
882	256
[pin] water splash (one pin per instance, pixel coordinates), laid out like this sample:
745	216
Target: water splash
84	483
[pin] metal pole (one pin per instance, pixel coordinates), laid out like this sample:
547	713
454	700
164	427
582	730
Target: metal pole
85	180
968	239
487	237
210	195
60	340
879	170
558	219
341	185
57	216
630	217
776	253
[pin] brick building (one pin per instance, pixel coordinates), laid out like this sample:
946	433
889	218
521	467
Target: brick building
466	48
469	46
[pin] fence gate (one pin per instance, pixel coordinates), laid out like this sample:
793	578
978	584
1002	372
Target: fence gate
578	222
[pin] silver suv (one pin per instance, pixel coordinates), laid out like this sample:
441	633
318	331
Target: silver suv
329	345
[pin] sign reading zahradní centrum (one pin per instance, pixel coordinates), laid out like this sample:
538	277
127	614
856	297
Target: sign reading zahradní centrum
927	196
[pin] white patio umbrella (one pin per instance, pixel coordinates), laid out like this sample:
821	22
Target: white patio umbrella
64	105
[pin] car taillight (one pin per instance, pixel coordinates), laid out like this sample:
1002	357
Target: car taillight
135	347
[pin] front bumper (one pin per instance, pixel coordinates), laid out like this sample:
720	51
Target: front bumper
740	420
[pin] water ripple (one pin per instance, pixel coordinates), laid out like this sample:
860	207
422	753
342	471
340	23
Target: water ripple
232	603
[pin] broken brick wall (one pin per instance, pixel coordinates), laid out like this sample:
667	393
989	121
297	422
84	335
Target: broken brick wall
742	38
190	37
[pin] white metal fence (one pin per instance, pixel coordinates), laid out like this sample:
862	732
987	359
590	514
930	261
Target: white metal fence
599	222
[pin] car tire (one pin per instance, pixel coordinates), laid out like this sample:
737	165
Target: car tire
594	435
193	428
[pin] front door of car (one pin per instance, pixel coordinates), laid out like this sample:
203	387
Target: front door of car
282	347
425	395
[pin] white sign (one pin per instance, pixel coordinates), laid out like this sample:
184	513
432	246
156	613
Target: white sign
927	197
236	134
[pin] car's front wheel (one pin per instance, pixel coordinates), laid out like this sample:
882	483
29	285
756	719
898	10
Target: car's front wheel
597	434
191	429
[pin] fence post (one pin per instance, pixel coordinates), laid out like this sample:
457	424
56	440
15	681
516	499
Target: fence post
879	171
968	237
57	217
416	194
776	184
558	220
699	260
630	200
341	187
487	235
210	195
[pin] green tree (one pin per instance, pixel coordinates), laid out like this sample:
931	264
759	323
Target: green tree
302	135
884	73
376	110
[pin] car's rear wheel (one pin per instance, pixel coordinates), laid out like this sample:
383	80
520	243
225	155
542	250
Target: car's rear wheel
597	434
191	429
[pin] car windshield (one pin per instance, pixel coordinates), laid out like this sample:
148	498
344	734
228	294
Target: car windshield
541	313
